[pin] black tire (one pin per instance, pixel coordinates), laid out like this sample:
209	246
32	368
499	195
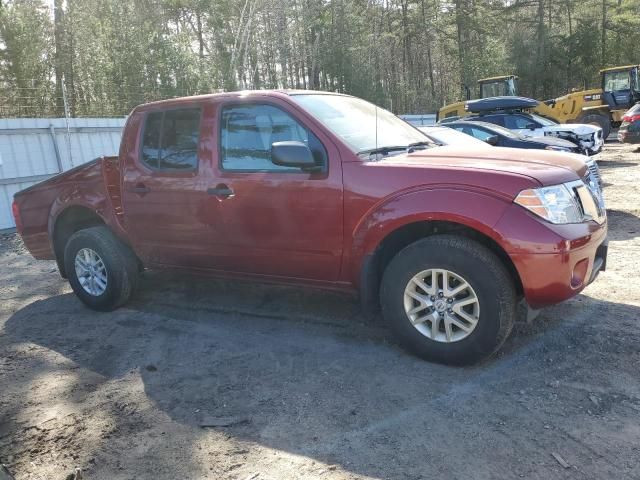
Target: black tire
599	120
120	262
482	270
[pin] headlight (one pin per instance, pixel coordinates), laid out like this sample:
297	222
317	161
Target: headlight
557	149
556	204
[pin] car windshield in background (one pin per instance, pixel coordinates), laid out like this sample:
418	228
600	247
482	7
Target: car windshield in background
544	121
500	130
355	120
449	136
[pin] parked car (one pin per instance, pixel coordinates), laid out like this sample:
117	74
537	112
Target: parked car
503	137
588	137
449	136
629	131
326	190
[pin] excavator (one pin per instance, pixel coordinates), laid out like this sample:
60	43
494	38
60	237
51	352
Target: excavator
604	106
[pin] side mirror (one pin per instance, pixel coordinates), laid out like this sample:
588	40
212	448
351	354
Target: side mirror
531	126
492	140
293	154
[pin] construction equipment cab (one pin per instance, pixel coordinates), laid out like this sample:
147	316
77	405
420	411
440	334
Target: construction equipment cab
620	89
505	85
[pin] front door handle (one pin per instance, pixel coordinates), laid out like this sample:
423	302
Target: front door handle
221	190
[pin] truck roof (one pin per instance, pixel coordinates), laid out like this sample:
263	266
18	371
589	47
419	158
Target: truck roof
235	94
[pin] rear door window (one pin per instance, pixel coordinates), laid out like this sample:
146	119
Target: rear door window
151	139
170	140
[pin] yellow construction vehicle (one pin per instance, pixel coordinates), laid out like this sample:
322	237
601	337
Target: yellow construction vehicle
604	106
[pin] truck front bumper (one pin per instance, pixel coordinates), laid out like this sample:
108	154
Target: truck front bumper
556	262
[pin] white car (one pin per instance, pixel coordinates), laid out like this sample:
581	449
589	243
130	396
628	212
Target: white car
588	137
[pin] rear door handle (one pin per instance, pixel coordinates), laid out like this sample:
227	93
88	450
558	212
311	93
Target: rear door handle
221	190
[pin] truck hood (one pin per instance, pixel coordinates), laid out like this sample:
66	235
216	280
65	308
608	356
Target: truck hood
545	167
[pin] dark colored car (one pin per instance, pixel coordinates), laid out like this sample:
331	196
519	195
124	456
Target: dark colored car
503	137
326	190
588	137
629	131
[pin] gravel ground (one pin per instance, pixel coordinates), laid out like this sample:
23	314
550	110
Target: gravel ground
296	384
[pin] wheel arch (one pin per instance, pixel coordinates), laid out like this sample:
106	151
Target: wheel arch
67	222
375	263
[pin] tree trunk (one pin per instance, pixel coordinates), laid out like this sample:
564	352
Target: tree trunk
603	62
58	31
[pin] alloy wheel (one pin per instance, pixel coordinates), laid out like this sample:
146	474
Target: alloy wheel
441	305
91	272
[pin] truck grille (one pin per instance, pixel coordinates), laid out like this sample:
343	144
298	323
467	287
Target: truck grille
594	189
594	171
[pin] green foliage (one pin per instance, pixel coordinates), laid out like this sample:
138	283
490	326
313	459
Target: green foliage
407	55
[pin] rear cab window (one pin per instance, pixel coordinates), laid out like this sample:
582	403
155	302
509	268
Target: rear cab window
170	140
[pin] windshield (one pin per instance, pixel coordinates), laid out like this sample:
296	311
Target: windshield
615	81
544	121
354	121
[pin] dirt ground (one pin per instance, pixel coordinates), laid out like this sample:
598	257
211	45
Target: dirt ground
297	384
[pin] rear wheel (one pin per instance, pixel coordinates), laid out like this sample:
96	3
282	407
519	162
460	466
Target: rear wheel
449	299
598	120
102	271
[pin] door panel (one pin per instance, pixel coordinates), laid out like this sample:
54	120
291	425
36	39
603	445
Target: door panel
165	185
278	221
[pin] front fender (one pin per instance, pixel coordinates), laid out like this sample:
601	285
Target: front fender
473	208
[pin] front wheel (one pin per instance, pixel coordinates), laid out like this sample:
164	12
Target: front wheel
102	271
449	299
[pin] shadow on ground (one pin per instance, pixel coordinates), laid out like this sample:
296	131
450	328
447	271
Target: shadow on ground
607	164
304	372
623	225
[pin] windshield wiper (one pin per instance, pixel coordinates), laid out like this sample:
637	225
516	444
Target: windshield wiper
414	146
382	150
391	148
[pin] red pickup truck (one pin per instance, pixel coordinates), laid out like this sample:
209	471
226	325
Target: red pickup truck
331	191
